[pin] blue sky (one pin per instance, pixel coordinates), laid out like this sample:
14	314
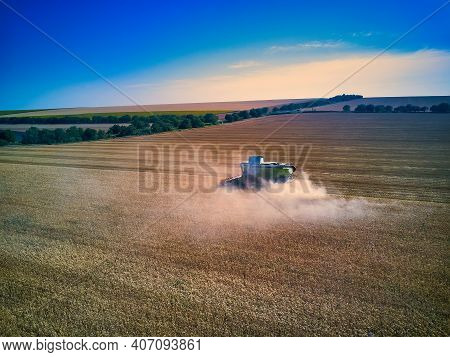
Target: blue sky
179	51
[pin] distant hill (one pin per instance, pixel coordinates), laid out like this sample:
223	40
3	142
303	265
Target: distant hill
213	106
394	101
229	106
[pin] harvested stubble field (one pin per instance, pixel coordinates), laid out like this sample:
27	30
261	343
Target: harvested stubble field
210	107
86	250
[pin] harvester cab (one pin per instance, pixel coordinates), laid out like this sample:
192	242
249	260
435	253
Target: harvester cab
256	173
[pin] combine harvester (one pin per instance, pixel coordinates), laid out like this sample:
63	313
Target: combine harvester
256	174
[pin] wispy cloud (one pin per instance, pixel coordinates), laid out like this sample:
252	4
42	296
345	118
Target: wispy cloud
305	46
390	75
363	34
244	64
393	74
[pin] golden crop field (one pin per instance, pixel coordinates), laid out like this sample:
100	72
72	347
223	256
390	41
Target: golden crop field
186	108
132	237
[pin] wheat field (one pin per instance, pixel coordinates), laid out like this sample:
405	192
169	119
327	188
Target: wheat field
132	237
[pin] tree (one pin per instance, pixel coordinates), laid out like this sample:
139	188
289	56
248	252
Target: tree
140	122
361	108
127	130
232	117
74	134
210	119
101	134
125	118
8	136
160	125
157	127
196	122
46	136
185	124
31	136
243	114
89	134
60	135
370	108
114	130
255	113
440	108
145	131
342	98
346	108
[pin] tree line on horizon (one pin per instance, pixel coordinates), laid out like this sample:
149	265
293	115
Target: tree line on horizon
69	119
246	114
144	125
316	103
258	112
409	108
139	125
